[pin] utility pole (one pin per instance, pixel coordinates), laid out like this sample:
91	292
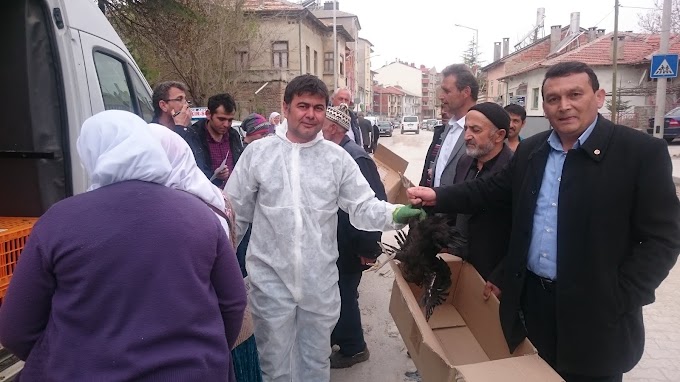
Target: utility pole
335	47
615	58
661	83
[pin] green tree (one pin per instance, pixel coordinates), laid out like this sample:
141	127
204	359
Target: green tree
621	106
471	55
194	41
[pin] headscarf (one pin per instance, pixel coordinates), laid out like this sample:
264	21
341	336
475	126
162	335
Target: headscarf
272	116
185	174
115	146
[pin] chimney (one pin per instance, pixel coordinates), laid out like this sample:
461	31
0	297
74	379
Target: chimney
328	5
555	36
592	33
506	46
621	45
575	25
496	51
600	32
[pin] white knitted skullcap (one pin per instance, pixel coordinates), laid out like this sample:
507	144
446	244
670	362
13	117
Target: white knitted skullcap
339	115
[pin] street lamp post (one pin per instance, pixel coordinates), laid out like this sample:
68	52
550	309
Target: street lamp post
476	37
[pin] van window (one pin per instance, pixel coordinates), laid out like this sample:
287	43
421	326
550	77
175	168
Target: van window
113	83
144	103
410	119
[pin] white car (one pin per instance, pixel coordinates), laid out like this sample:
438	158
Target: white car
410	123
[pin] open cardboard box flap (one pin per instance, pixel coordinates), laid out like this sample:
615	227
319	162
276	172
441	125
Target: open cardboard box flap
390	165
463	341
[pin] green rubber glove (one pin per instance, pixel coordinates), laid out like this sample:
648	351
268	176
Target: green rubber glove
403	214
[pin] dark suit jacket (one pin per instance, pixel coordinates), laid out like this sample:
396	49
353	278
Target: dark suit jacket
449	172
353	243
618	237
488	231
429	158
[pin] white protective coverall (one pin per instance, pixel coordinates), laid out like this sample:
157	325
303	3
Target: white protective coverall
291	193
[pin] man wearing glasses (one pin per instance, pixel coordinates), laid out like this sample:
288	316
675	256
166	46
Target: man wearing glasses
170	105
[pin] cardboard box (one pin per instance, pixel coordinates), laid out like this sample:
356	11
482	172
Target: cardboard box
390	166
463	341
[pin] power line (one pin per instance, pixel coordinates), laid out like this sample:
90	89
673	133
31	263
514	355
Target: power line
605	17
647	8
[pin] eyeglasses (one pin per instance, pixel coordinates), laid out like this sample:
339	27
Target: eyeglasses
178	99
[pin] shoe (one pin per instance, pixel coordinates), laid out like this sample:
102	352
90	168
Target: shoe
341	361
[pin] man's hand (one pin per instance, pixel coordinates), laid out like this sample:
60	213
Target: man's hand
224	174
490	288
421	196
183	117
403	214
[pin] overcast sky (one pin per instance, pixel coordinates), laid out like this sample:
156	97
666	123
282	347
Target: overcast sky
424	31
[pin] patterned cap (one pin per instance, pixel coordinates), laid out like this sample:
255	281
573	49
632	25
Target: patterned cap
339	115
255	124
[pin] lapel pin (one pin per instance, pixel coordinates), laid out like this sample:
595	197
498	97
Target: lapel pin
597	152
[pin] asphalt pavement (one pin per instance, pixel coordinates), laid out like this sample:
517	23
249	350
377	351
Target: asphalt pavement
389	361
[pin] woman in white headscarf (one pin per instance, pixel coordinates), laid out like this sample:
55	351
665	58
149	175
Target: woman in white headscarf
186	176
275	118
120	272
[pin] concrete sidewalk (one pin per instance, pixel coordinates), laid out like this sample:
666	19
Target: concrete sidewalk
674	151
661	359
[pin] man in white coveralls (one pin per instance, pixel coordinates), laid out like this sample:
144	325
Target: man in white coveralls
290	186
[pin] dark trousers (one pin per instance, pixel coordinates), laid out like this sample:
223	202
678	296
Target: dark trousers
241	251
348	334
539	310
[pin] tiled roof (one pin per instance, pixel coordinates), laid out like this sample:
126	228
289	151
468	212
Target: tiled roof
637	49
538	50
271	5
387	90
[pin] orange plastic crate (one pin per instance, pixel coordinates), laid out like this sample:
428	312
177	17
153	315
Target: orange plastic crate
13	235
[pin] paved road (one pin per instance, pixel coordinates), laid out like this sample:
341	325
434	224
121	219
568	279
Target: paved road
389	362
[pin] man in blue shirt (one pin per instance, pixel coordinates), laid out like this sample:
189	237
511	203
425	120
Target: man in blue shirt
595	230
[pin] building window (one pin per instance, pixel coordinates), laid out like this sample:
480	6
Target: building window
316	63
534	98
280	54
342	66
242	60
328	63
308	61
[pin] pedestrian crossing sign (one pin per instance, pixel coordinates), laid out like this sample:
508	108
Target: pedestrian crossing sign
664	66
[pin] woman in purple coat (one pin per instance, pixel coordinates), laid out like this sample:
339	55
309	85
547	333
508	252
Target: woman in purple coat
129	281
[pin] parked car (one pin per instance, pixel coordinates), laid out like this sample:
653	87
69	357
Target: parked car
429	124
671	125
385	128
410	123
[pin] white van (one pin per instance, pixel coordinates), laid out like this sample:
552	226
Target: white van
63	63
410	123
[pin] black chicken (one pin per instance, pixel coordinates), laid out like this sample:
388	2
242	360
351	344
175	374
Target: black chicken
417	253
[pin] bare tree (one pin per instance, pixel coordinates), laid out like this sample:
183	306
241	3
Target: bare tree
204	43
650	22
